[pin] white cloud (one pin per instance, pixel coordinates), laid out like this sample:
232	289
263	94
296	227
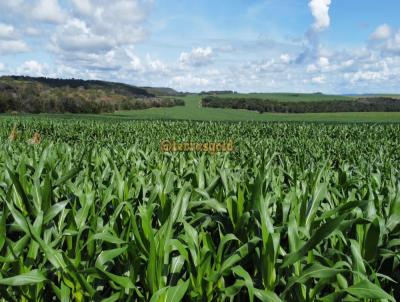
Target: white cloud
134	63
12	47
348	63
320	11
285	58
392	45
366	76
189	81
32	31
31	68
312	47
49	11
9	40
323	62
383	32
311	68
318	80
83	6
156	65
120	21
197	57
6	31
75	35
2	67
100	35
263	66
87	40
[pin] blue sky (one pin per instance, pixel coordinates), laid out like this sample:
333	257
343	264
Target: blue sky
333	46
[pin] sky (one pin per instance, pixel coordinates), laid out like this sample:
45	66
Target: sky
330	46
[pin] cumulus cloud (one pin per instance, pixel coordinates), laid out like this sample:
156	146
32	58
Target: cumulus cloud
263	66
189	80
318	80
312	48
10	42
49	11
85	39
32	31
197	57
100	35
75	35
323	62
285	58
120	21
6	31
31	68
13	47
383	32
311	68
386	40
320	11
2	67
156	65
369	76
83	6
392	45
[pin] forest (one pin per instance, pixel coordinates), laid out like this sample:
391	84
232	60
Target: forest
45	95
366	104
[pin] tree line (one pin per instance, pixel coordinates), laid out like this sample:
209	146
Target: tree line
27	96
372	104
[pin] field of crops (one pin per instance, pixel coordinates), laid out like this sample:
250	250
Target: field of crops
93	211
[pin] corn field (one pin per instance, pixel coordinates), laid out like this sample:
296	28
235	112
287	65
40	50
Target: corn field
298	212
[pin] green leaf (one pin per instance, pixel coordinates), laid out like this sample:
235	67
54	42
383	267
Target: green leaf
20	191
241	253
107	256
122	281
371	240
3	234
323	231
33	277
367	290
315	271
54	211
176	293
266	295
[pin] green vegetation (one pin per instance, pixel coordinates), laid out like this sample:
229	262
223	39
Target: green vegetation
39	95
298	212
119	88
163	91
106	100
193	111
370	104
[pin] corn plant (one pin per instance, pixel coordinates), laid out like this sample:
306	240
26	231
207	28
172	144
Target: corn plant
298	212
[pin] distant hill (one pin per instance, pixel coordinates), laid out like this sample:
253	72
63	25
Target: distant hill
47	95
118	88
162	91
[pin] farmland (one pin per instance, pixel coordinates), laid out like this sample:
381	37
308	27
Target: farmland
289	97
298	212
194	111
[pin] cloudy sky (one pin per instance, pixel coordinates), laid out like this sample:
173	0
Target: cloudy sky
334	46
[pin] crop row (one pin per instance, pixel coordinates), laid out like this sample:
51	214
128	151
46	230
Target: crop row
299	212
